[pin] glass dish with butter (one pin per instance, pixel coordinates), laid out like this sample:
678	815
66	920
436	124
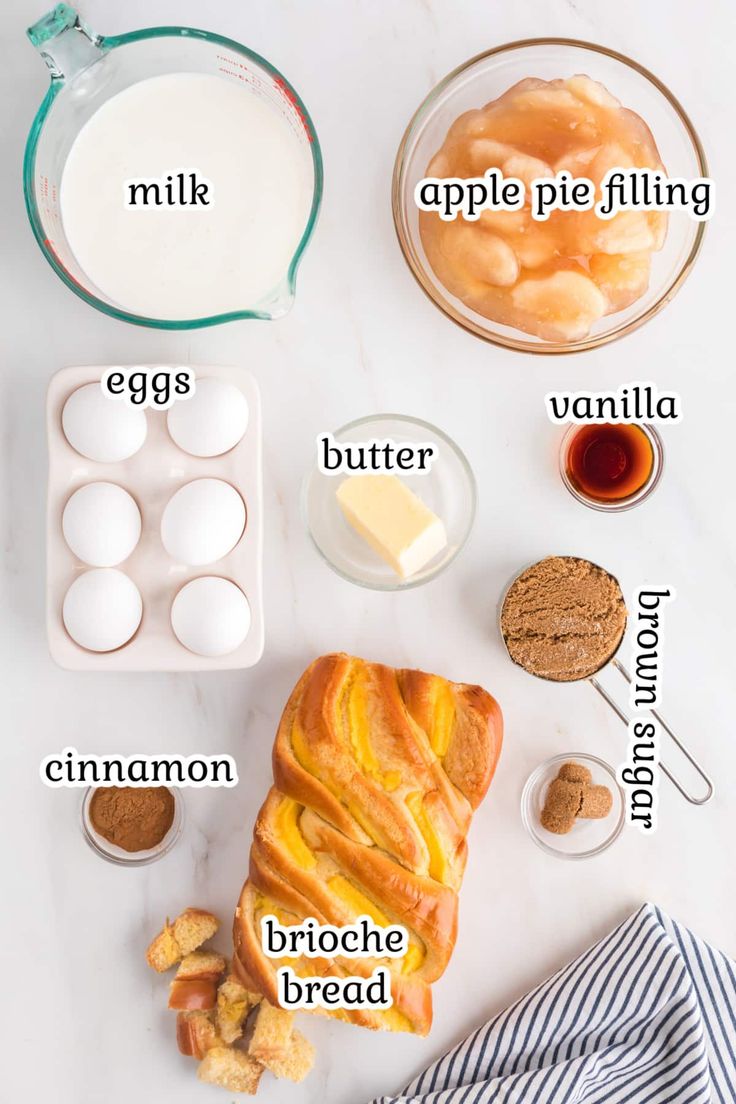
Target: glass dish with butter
391	504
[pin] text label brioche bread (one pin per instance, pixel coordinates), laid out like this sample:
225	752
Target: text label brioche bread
377	774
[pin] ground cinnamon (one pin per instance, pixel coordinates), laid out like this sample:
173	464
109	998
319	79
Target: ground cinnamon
131	817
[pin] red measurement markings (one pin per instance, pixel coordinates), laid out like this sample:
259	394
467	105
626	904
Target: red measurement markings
247	78
231	61
287	92
280	83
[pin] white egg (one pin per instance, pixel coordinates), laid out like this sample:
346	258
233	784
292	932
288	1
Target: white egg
102	609
101	524
202	522
102	429
211	616
212	421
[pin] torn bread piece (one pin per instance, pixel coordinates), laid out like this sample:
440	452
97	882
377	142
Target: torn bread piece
195	984
193	928
234	1002
196	1034
271	1034
193	994
295	1061
163	952
230	1069
278	1046
190	930
202	964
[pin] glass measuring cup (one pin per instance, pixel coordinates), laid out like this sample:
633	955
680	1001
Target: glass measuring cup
88	69
590	676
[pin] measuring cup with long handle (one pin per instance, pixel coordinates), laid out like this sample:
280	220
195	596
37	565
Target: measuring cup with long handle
619	711
699	770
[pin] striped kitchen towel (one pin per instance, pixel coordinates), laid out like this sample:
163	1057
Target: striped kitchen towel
646	1016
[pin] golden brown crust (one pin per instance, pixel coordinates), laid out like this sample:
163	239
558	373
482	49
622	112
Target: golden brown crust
195	983
475	746
196	1034
411	995
377	774
193	994
239	971
422	904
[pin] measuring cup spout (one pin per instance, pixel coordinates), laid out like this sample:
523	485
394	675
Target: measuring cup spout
281	301
65	43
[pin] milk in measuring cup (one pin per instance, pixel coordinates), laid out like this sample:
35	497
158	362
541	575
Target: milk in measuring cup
181	262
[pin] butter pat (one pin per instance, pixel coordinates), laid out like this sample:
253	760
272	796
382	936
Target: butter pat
392	520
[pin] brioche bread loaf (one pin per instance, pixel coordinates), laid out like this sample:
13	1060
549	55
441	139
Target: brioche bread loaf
377	774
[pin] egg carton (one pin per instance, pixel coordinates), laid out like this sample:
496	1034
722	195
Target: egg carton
152	475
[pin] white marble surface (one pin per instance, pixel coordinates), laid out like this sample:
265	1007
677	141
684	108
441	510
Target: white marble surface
85	1019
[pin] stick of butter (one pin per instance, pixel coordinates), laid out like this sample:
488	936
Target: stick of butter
392	520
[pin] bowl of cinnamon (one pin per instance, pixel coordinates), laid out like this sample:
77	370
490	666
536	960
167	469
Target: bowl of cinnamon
132	825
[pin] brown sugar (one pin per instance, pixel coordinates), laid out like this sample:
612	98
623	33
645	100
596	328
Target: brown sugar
134	818
572	795
561	806
597	802
574	772
563	618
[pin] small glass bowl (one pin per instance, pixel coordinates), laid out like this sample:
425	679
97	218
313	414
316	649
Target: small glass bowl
448	489
587	837
487	76
117	855
615	505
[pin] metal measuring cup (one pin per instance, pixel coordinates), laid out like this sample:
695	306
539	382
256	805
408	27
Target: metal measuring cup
617	709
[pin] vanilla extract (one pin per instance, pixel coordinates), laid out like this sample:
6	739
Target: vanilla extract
609	463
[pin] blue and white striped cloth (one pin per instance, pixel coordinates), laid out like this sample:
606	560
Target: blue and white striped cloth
646	1016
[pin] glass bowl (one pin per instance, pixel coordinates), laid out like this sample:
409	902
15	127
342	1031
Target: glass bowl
587	837
448	489
615	505
117	855
485	77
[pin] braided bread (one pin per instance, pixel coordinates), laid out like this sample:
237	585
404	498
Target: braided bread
377	774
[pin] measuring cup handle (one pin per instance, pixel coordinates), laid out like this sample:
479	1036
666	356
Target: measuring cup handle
65	43
709	789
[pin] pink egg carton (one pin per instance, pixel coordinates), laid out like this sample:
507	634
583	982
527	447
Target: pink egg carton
152	475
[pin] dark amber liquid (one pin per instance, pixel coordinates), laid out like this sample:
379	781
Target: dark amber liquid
609	462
